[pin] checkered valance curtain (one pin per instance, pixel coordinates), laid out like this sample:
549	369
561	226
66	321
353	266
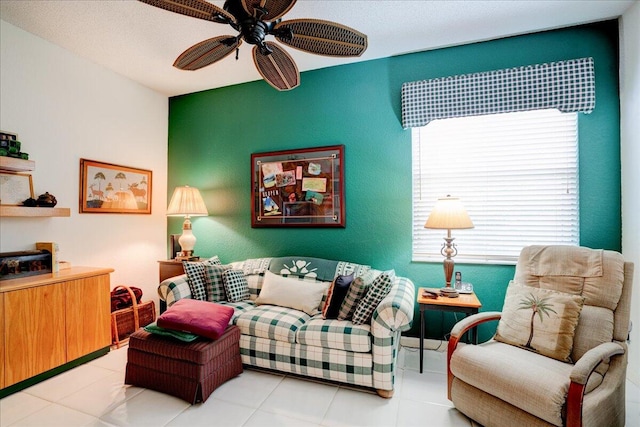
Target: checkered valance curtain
566	85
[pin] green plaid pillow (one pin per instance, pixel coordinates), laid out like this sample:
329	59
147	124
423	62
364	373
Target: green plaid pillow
214	285
376	293
357	290
236	286
197	278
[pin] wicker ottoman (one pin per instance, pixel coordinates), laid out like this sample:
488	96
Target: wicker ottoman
190	371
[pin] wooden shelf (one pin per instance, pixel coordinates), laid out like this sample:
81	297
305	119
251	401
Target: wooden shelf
13	164
6	211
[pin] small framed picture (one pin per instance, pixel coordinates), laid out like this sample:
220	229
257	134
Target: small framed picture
15	188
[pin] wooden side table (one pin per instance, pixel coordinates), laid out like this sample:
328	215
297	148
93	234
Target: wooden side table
170	268
466	303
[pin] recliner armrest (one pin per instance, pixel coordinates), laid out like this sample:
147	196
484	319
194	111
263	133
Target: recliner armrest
591	359
472	321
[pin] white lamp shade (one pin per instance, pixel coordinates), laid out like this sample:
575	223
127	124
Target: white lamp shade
449	214
187	201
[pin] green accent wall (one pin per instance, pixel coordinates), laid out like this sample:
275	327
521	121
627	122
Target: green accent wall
213	133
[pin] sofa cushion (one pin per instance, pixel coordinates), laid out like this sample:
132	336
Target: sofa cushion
540	320
319	332
235	286
238	308
307	267
290	292
197	276
357	290
377	291
335	295
272	322
198	317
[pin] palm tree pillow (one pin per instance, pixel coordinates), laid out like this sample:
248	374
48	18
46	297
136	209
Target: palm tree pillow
540	320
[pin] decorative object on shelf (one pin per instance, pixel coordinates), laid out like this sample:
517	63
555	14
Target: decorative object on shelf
24	263
46	200
127	189
448	214
15	188
54	250
10	146
30	202
298	188
186	201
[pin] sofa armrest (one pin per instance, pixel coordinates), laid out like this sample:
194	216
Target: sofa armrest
173	289
395	311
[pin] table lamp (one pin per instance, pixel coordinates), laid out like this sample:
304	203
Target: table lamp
187	201
448	214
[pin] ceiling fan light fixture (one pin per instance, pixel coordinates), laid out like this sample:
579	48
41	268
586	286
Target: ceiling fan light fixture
255	20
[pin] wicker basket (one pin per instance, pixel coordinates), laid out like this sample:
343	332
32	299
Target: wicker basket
126	321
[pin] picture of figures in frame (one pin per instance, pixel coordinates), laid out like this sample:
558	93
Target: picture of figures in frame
298	188
109	188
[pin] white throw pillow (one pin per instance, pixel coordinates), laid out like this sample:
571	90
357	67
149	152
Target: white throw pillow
295	293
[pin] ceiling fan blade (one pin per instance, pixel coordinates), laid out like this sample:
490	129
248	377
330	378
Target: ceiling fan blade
267	10
206	52
195	8
321	37
277	68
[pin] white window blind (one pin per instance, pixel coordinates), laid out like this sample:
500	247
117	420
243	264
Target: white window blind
516	174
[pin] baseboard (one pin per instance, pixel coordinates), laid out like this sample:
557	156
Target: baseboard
429	344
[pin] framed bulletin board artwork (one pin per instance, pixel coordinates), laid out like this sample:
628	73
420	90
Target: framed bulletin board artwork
109	188
298	188
15	188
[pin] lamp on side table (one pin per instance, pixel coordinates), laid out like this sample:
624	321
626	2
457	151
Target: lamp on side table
187	201
448	214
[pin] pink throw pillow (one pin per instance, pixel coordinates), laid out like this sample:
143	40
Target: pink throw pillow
202	318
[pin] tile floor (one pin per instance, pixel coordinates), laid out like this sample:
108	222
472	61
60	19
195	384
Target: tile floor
94	395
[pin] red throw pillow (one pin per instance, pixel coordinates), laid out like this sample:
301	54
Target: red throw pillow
202	318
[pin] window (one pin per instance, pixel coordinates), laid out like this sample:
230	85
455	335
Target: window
516	174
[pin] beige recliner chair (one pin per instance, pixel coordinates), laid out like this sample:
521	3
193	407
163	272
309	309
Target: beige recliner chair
575	377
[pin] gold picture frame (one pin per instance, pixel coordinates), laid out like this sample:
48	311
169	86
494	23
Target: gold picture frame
110	188
15	188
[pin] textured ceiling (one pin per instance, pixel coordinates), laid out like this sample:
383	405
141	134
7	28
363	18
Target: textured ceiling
141	42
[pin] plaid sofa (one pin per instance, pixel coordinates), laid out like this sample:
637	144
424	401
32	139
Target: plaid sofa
292	341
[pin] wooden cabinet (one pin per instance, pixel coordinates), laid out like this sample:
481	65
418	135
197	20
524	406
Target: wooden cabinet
88	324
2	341
34	332
52	319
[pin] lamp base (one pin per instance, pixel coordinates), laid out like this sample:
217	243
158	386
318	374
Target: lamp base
449	292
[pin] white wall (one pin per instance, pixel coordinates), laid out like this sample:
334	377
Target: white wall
630	146
65	108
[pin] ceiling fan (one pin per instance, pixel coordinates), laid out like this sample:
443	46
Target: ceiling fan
255	20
